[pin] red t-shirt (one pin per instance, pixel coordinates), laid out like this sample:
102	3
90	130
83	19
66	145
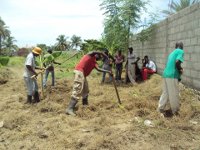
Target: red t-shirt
86	64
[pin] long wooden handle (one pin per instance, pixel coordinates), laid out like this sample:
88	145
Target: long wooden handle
119	101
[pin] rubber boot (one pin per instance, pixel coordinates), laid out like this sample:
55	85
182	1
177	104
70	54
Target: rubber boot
36	97
85	101
70	109
29	99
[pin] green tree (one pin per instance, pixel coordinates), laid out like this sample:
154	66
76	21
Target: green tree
9	44
44	47
177	6
121	17
75	41
92	45
4	32
62	42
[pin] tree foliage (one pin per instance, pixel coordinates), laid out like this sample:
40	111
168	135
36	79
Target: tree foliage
4	32
75	41
92	45
121	17
62	43
177	6
9	46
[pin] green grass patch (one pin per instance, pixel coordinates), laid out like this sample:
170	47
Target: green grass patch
65	70
16	61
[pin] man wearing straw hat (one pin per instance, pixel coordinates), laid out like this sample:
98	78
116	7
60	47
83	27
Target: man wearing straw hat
31	83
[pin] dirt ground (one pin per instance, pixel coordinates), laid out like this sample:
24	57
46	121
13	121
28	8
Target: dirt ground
103	125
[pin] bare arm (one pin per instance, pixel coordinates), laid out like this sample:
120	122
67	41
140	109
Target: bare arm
102	70
178	66
31	69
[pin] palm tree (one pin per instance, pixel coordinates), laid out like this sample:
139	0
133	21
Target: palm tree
76	41
177	6
62	42
8	43
4	32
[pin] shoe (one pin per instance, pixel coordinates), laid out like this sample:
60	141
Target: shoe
70	109
85	100
36	97
29	99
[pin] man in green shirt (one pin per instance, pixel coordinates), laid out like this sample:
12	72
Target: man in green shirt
171	75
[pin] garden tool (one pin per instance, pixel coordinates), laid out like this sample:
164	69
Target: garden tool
114	83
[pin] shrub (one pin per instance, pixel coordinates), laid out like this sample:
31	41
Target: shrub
4	61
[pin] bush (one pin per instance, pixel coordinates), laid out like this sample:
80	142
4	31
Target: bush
4	61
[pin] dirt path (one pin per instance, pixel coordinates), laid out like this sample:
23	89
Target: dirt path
101	125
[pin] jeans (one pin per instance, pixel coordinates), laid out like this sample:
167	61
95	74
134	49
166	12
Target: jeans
46	77
109	68
118	71
104	75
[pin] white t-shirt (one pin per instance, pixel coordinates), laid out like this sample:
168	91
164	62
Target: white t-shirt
30	60
131	57
151	65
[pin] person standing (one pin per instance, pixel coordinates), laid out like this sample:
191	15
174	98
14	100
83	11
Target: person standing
171	75
49	69
130	66
107	65
119	59
31	83
149	67
80	86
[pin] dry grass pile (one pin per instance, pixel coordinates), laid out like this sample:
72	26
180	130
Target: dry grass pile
103	124
5	75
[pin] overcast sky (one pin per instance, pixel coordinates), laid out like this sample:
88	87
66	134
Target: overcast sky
34	22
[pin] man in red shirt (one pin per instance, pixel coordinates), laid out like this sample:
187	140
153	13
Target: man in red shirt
80	86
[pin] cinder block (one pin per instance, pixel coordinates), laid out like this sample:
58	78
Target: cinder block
194	41
195	74
194	8
195	65
196	49
182	28
197	32
196	83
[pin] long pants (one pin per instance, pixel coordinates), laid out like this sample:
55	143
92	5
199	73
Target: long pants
118	71
131	72
31	85
80	86
170	94
145	73
109	68
46	77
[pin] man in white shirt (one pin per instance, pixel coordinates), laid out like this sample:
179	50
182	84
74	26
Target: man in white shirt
131	60
31	83
149	67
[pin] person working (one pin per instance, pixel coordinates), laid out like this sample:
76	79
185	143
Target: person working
80	86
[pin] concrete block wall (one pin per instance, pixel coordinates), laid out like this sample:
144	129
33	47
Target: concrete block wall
183	26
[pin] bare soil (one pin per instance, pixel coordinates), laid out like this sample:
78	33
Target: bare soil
103	125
